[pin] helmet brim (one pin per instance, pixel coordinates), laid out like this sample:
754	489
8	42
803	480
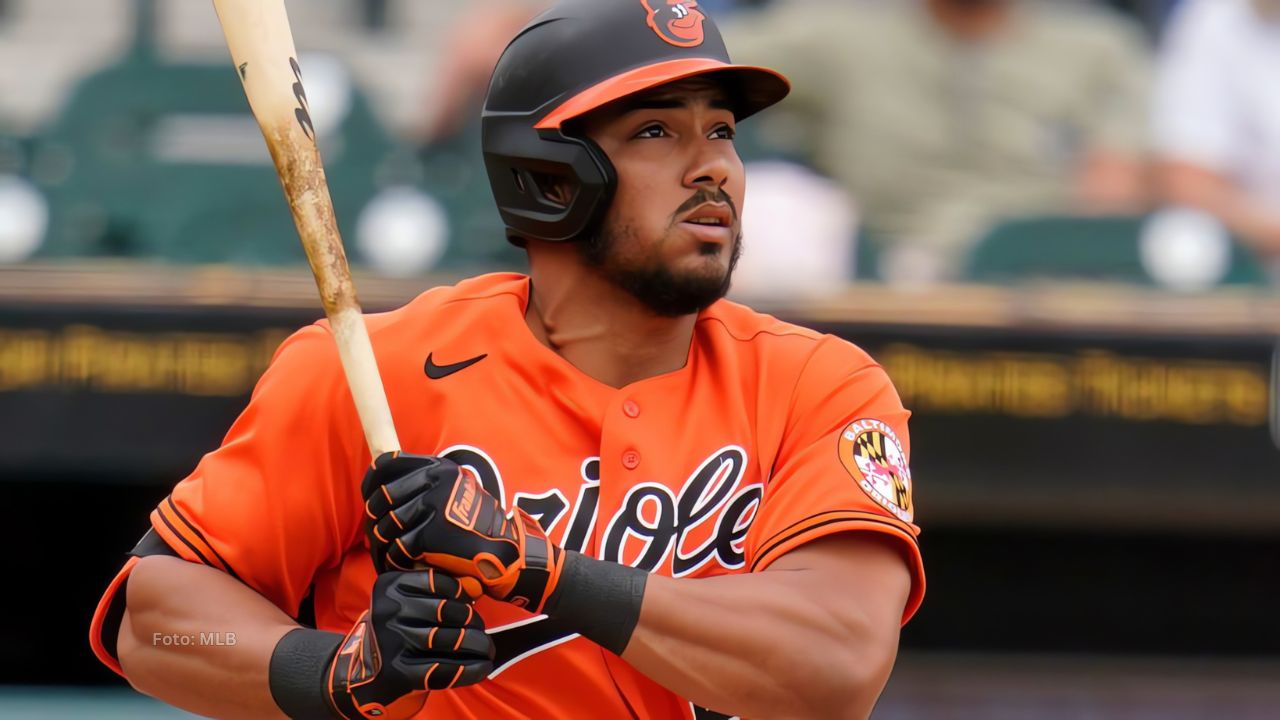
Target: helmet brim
755	88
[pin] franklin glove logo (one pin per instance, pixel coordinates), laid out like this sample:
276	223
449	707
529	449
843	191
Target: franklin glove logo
462	506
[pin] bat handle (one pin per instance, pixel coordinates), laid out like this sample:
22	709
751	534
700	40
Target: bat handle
361	368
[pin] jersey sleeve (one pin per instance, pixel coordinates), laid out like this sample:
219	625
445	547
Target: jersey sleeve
280	498
842	465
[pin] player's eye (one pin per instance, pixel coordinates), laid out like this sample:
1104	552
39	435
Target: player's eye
652	131
724	132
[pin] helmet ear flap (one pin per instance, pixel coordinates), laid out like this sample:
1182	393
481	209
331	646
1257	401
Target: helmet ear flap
524	163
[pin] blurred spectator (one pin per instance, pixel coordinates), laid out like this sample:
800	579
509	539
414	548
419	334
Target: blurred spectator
374	13
799	231
1217	118
942	116
468	61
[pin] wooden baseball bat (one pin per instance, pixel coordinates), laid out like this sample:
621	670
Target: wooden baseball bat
262	50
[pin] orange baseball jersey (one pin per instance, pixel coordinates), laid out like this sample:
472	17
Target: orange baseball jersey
769	437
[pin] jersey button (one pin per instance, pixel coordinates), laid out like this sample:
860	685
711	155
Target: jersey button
630	459
631	408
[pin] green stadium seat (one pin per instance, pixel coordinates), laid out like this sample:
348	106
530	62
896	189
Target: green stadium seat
1079	248
117	190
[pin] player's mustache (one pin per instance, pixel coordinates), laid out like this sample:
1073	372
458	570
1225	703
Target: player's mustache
704	196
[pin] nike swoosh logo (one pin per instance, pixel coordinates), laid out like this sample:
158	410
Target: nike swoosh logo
439	372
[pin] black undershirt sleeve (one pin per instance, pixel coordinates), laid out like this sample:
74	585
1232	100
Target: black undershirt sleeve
150	544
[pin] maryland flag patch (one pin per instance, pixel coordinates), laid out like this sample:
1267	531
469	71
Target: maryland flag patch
871	452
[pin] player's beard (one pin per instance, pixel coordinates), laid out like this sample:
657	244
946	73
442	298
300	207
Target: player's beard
648	279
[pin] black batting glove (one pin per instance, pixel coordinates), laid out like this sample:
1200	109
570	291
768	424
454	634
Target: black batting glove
421	633
408	476
427	512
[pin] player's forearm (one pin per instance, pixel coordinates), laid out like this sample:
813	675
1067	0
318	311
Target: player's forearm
198	639
814	636
758	646
1186	184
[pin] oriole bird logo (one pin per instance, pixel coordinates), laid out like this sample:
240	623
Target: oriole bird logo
677	22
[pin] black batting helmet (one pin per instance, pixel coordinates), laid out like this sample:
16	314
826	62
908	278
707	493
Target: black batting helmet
574	58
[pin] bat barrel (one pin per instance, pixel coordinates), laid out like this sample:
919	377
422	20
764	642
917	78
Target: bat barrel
262	50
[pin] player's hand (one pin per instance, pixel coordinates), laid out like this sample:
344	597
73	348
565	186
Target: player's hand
420	633
426	511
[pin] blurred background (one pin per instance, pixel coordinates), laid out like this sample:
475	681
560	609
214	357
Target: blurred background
1055	222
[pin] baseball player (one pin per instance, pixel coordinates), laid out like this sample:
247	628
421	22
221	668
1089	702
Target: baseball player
634	499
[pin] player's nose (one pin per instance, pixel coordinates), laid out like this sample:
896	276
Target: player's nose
711	168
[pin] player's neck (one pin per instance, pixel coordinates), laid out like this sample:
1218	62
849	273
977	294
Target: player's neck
599	328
